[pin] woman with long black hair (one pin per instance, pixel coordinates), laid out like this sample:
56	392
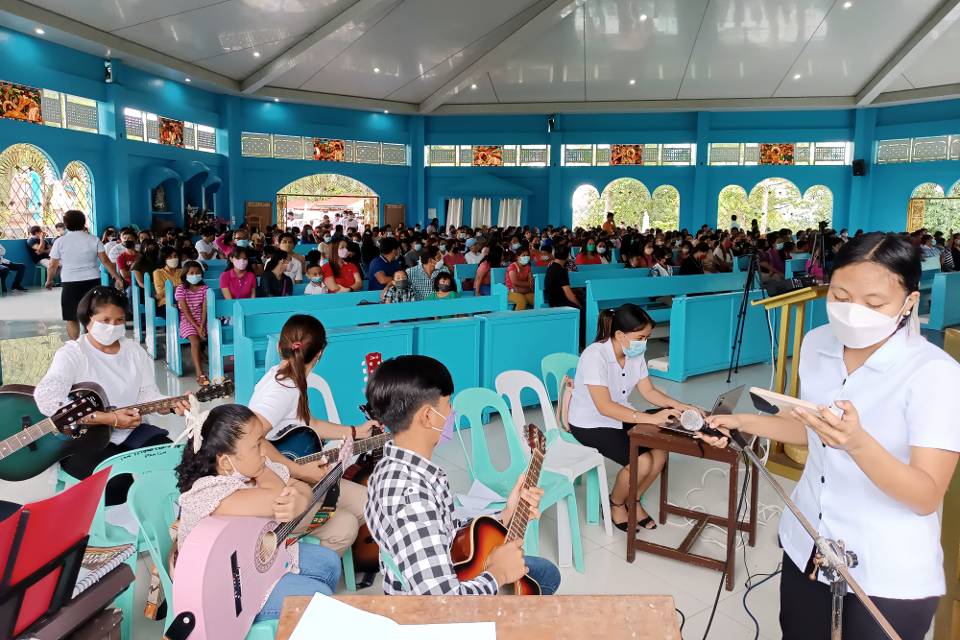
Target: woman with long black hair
883	446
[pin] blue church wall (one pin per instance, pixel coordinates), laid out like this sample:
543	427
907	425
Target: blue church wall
122	169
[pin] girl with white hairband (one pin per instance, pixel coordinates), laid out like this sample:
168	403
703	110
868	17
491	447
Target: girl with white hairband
224	472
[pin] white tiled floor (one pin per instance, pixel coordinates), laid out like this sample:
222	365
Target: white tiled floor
606	570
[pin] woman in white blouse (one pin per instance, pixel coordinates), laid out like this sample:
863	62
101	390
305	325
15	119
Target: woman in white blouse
883	447
125	372
600	411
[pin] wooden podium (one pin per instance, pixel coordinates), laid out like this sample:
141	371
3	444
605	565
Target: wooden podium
795	302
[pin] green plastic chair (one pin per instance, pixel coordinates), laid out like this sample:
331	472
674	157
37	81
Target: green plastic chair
470	405
557	365
153	502
138	462
349	578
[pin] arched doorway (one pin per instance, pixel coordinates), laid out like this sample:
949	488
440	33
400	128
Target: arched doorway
932	209
309	199
629	200
587	209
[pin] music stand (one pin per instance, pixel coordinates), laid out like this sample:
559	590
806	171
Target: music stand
40	563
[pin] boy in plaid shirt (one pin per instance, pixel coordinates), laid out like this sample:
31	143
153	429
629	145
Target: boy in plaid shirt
410	506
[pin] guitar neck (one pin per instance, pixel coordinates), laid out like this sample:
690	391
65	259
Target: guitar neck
156	405
521	515
26	437
319	491
359	447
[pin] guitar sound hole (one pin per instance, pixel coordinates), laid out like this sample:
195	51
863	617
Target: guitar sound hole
266	548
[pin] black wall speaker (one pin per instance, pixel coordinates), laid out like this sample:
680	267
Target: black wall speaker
859	168
551	123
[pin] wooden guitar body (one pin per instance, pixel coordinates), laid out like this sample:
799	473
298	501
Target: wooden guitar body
471	548
18	410
366	552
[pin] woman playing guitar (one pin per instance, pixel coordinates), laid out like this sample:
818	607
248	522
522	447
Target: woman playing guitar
122	368
280	401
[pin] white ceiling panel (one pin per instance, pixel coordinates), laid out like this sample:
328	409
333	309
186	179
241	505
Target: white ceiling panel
746	46
322	53
411	40
899	83
232	26
851	44
548	69
240	64
937	64
646	41
483	94
109	15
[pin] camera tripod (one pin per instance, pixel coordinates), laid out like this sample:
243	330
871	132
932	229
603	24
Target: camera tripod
753	275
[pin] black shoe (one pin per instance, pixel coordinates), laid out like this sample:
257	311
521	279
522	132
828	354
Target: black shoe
19	289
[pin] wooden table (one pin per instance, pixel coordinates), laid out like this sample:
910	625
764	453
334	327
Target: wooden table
648	435
519	617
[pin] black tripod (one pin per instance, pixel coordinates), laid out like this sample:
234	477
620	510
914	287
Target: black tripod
753	275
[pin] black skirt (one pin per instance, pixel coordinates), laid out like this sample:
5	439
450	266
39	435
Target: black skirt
70	295
613	444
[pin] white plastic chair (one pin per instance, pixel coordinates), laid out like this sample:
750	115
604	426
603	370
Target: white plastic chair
316	382
565	456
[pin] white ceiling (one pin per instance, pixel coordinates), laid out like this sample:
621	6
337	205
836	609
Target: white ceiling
509	55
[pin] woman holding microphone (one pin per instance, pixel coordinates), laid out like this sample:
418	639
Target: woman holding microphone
883	447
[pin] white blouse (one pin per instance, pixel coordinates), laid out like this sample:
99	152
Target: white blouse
79	256
276	401
907	395
598	366
126	377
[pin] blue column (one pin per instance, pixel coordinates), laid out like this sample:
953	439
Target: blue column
558	212
697	210
119	209
861	187
417	207
230	147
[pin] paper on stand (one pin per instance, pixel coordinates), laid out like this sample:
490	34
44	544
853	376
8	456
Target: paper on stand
327	617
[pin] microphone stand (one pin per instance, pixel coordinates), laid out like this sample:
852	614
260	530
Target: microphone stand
832	558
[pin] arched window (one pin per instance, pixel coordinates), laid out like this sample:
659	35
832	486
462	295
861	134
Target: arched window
665	213
587	209
732	201
931	209
927	190
629	200
308	199
78	190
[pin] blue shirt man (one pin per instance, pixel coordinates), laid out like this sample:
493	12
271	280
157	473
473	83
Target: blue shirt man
383	267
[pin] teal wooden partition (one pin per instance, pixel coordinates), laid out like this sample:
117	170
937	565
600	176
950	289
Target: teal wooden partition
944	302
521	340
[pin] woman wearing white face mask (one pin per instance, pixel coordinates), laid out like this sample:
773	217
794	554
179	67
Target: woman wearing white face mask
883	447
104	355
169	270
600	411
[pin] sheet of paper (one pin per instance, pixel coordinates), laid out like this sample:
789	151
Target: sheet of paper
328	617
479	500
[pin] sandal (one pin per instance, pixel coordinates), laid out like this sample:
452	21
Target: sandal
643	524
619	525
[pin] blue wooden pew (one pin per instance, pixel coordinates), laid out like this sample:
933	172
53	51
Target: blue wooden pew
608	293
702	330
944	302
255	320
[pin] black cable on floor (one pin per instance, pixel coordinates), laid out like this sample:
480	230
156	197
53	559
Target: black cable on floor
723	574
750	587
683	620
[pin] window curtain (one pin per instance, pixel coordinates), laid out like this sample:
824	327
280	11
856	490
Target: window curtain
481	213
454	212
509	215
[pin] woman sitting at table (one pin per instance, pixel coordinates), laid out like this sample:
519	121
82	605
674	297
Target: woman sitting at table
600	412
274	282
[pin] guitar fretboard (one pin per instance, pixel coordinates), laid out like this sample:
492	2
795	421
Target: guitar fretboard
521	515
25	437
359	447
319	491
157	405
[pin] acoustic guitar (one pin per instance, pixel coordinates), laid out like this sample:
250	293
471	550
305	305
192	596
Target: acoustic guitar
231	564
35	443
473	544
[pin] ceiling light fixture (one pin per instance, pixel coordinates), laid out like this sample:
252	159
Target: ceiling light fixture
633	81
797	76
473	87
847	5
256	54
186	80
39	31
643	17
276	99
386	111
376	69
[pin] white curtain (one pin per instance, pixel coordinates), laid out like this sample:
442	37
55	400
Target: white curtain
509	215
454	212
481	213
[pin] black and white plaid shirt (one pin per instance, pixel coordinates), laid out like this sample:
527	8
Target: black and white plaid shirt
410	514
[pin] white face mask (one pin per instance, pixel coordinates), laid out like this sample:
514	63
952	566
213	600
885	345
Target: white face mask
107	334
173	263
858	327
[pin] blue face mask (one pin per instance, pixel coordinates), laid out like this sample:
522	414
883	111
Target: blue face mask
636	349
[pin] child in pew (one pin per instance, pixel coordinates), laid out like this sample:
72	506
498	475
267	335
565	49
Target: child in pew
274	282
399	290
238	282
315	283
443	288
224	473
661	267
191	299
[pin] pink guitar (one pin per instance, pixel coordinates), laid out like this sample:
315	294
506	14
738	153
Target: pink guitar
230	564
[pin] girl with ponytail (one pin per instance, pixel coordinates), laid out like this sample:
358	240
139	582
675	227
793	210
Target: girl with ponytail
600	412
280	401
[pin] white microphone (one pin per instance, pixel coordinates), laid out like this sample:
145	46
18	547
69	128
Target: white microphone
691	420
